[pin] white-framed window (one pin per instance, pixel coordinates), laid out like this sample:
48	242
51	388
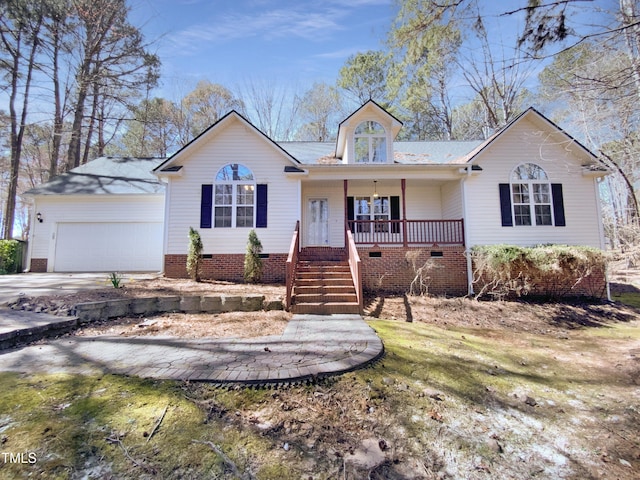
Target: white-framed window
372	208
531	195
370	143
234	197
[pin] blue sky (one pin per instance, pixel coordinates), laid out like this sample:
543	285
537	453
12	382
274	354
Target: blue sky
235	42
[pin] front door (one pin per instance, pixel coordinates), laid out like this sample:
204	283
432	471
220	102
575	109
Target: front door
318	224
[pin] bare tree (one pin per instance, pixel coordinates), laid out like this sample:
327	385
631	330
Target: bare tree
319	108
20	24
271	108
113	55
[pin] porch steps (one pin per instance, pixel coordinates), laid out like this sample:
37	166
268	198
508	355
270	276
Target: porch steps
324	287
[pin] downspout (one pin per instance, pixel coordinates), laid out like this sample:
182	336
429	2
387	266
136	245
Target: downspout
596	186
466	231
165	227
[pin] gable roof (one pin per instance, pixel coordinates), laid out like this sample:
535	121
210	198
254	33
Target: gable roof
536	117
106	175
209	132
396	124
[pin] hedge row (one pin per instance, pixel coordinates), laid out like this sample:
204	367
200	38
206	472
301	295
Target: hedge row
549	270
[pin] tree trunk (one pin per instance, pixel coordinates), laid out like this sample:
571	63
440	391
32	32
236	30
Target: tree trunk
17	129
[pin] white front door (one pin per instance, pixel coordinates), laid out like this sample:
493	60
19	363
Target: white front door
318	222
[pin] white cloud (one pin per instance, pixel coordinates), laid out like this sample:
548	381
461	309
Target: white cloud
269	24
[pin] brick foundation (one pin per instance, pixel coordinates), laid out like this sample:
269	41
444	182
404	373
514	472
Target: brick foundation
392	271
38	265
228	267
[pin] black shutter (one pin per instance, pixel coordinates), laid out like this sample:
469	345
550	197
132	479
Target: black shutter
505	205
206	206
350	213
261	204
558	205
395	213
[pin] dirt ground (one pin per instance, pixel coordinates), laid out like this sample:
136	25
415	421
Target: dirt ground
534	317
190	325
467	389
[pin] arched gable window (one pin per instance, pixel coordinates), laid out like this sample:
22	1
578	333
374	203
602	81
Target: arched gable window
531	195
370	143
234	199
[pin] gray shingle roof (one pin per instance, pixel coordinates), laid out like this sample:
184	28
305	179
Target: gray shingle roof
106	175
404	152
309	152
432	152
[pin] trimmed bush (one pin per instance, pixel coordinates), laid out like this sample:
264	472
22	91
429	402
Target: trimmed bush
194	256
547	270
252	260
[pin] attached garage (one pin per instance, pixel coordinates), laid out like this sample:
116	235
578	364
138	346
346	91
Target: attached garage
108	247
105	216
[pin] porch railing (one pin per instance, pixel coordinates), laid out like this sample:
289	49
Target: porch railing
292	262
354	265
407	232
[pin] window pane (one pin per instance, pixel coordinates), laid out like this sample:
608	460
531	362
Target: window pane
541	193
222	217
520	193
224	194
362	207
522	214
379	150
381	205
370	128
244	217
234	172
244	195
362	150
543	214
529	171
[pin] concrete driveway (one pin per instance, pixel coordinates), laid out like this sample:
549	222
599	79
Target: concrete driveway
39	284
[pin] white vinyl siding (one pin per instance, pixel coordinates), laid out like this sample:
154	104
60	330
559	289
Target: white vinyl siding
521	144
230	144
452	200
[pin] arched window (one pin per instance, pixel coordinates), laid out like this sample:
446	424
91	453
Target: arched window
370	140
234	200
531	196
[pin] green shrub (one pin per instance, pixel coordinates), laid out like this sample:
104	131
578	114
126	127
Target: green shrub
549	270
252	260
10	256
194	256
116	279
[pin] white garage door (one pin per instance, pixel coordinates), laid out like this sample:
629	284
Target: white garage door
108	247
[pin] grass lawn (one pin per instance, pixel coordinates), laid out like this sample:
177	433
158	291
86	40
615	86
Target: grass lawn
450	399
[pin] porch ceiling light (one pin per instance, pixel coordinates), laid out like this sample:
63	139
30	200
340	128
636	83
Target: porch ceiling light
375	189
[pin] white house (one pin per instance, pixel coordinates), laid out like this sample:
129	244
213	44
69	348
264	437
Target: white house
365	199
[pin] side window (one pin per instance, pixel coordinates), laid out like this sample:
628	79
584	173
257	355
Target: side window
531	196
234	197
370	143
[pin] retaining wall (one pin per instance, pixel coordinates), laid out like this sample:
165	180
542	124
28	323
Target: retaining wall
95	311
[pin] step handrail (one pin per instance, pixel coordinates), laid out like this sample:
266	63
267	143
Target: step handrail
292	264
355	267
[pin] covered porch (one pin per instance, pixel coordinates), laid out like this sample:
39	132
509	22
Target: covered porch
389	212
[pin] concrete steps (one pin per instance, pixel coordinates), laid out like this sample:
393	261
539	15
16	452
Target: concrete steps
324	287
